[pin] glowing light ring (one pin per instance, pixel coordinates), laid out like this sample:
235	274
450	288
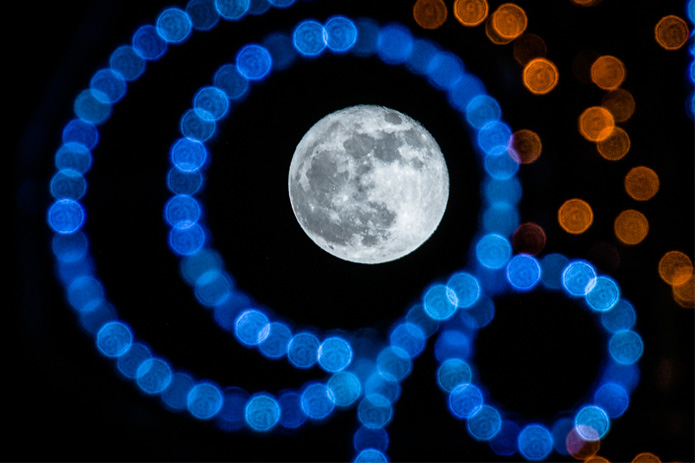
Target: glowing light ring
609	399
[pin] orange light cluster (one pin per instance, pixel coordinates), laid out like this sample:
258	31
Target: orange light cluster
676	269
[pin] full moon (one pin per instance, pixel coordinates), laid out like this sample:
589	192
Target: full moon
368	184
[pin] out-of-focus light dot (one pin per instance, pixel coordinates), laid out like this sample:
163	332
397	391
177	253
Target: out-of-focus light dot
604	295
66	216
586	3
471	12
424	52
452	344
341	34
395	362
627	375
615	146
384	385
345	387
374	411
85	292
254	62
148	44
482	110
188	155
90	106
182	211
303	350
592	423
108	86
176	393
153	376
276	343
501	167
479	315
203	14
195	127
334	354
68	184
626	347
596	123
620	317
528	47
439	302
202	264
620	103
174	25
129	362
505	441
641	183
485	424
213	289
646	457
69	248
509	21
560	430
502	191
612	398
445	70
82	132
204	401
525	146
114	339
309	38
529	238
394	44
466	288
187	241
631	227
453	372
675	267
418	317
258	7
540	76
608	72
580	447
684	293
251	327
575	216
232	9
211	103
465	400
408	337
552	267
367	34
430	14
126	62
317	401
231	82
291	414
231	416
282	3
523	272
493	251
370	456
262	412
578	278
74	156
671	32
494	138
370	438
535	442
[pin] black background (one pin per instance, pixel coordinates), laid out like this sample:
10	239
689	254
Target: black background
540	355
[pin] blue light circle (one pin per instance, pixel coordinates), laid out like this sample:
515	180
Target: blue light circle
465	400
626	347
374	411
251	327
254	62
604	295
262	412
204	401
341	34
370	456
394	44
127	63
493	251
578	278
523	272
612	398
174	25
303	350
182	211
203	13
452	373
485	423
114	339
232	9
535	442
409	337
591	423
346	388
334	354
153	376
211	103
176	394
275	345
466	288
66	216
309	38
394	362
317	401
292	415
439	302
148	44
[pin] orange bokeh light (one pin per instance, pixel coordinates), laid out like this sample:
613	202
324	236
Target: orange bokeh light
575	216
620	103
526	146
586	2
430	14
596	459
528	47
615	146
631	227
596	123
529	238
675	267
684	293
608	72
641	183
540	76
509	21
471	12
671	32
646	457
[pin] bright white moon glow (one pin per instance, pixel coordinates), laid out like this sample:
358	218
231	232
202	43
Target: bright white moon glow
368	184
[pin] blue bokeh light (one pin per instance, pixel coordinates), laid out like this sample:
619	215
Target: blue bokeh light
445	70
417	316
479	315
384	385
535	442
317	401
69	248
612	398
108	86
203	14
174	25
502	166
85	292
523	272
560	430
204	401
213	288
466	288
126	62
578	278
409	337
493	251
604	295
621	317
281	50
232	414
148	44
453	372
452	344
370	456
303	350
493	139
626	375
97	316
465	400
464	92
591	423
82	132
346	388
367	36
182	211
200	264
505	441
74	156
129	362
262	412
254	62
502	191
500	218
184	183
552	267
626	347
153	376
175	396
439	302
370	438
282	3
187	241
309	38
341	34
251	327
334	354
91	108
394	44
232	9
258	7
114	339
424	51
275	345
482	110
291	414
188	155
211	103
66	216
195	127
485	423
231	82
394	362
68	184
374	411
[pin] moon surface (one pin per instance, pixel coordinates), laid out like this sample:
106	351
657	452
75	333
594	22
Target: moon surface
368	184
